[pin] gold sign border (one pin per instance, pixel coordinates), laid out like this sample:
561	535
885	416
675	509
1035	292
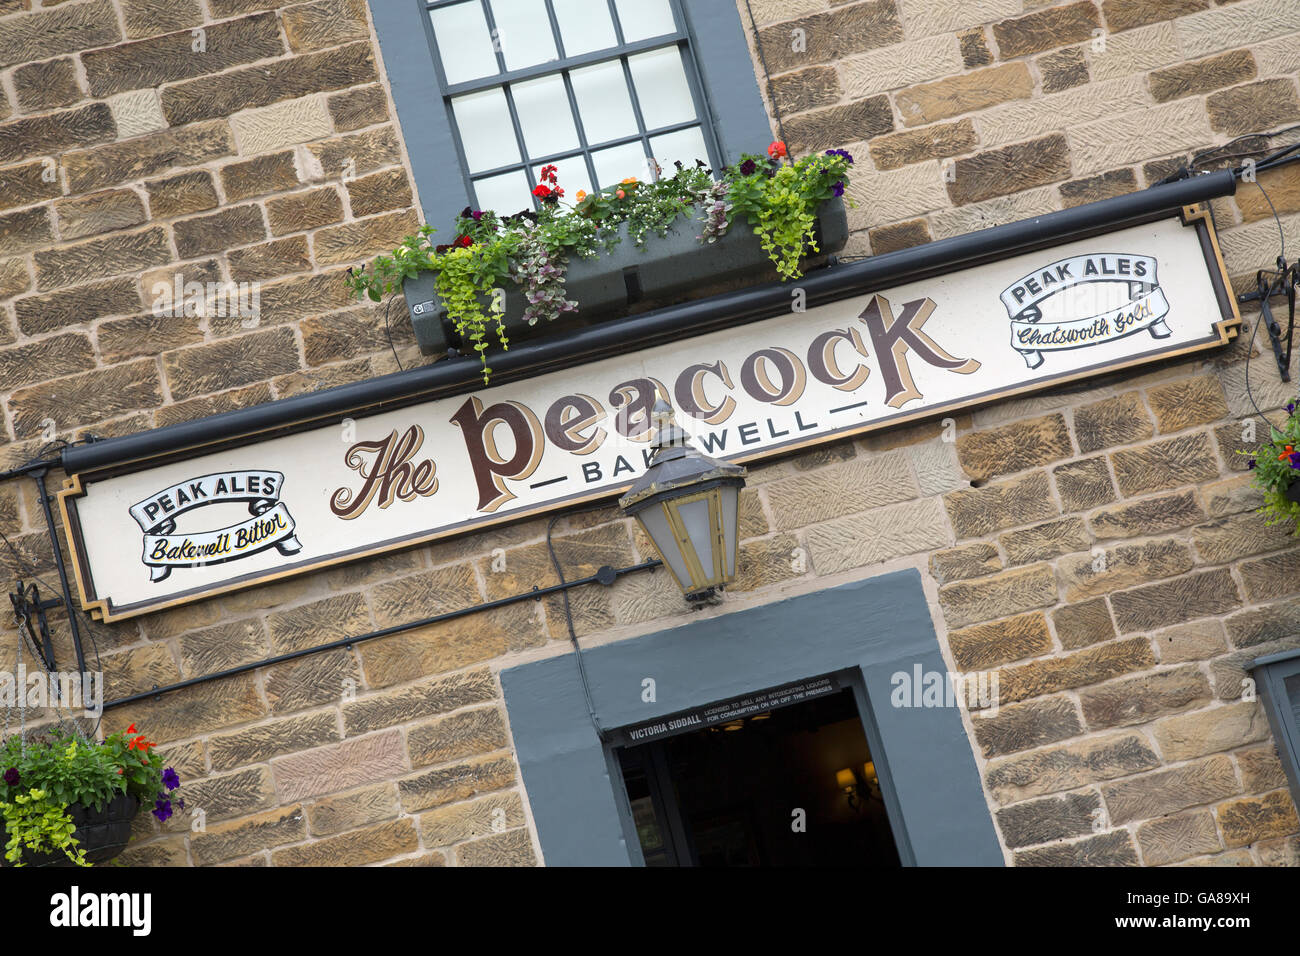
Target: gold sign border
102	609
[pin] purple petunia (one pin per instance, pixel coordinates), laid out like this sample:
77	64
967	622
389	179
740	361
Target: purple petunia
11	776
1290	407
747	167
171	780
1295	459
162	809
1251	464
841	152
838	189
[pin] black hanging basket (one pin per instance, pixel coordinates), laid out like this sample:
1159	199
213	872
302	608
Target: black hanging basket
103	833
1293	491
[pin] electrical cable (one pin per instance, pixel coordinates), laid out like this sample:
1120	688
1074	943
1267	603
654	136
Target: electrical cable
1198	157
1286	276
1280	157
389	332
1281	236
568	614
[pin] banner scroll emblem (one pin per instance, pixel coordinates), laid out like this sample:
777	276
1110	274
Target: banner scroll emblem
271	525
1145	307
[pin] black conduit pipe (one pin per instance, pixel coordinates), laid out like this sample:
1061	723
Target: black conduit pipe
536	593
464	373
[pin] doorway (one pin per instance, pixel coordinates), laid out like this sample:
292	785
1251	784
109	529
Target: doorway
794	785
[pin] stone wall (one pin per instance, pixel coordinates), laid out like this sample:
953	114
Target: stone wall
1096	546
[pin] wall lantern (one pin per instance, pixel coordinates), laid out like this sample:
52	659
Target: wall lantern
860	790
689	504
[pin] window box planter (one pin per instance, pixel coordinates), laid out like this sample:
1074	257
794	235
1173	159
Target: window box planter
103	833
628	279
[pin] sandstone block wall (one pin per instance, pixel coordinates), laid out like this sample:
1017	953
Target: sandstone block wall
1096	546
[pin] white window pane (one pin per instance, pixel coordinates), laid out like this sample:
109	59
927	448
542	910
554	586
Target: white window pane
485	129
524	32
618	162
661	87
505	194
544	115
603	101
585	26
685	144
643	19
572	176
464	43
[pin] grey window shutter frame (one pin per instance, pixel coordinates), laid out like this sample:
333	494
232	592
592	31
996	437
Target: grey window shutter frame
1277	680
406	44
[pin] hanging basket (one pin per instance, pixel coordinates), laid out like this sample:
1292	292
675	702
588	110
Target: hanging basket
103	833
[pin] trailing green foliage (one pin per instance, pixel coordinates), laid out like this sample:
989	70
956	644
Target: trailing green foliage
533	249
37	822
1276	465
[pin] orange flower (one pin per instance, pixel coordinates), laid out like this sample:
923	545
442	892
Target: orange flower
630	179
620	194
580	195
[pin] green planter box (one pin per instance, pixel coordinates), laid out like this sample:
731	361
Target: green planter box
665	270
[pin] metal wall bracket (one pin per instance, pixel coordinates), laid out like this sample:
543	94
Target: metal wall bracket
26	600
1283	281
28	604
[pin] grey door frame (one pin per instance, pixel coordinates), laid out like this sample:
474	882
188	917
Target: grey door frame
867	631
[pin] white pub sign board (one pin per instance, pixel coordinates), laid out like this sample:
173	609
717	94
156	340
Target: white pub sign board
232	518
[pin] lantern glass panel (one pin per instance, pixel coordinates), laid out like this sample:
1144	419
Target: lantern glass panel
655	521
696	520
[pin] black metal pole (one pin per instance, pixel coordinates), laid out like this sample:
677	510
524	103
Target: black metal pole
30	468
39	475
600	577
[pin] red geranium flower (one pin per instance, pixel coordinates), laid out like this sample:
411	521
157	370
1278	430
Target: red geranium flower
542	191
548	173
464	242
777	150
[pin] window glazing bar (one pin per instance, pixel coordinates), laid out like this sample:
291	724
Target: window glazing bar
566	63
571	153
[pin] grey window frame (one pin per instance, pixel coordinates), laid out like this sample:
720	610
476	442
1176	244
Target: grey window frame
730	112
1271	674
865	631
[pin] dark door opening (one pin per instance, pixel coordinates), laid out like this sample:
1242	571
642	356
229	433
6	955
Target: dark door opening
793	786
